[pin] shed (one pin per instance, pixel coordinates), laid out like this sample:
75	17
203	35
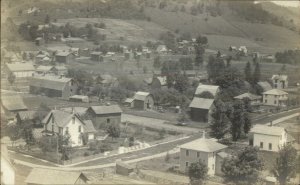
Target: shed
200	109
143	100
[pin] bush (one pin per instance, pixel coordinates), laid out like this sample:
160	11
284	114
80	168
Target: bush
105	147
86	154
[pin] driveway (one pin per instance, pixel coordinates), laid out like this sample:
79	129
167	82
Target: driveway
157	124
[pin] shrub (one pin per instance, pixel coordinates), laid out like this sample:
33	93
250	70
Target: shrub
86	154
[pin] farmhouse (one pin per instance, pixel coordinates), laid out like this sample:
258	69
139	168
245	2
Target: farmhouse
143	100
208	151
213	89
104	114
96	56
53	86
200	109
36	175
20	70
65	123
280	81
254	99
269	138
275	97
64	57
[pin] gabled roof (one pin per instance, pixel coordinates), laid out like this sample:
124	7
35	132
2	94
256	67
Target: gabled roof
129	100
78	110
265	86
280	77
47	176
61	118
13	102
141	95
201	103
20	67
49	82
89	126
203	145
106	109
275	92
267	130
248	95
213	89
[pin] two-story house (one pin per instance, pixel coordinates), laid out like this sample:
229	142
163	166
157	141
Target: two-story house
59	122
268	138
280	81
275	97
204	150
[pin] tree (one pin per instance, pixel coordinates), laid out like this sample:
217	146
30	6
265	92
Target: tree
286	165
199	49
243	169
113	130
256	74
220	123
11	78
197	172
238	119
157	63
248	72
181	82
47	19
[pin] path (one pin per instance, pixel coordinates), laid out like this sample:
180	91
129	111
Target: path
156	123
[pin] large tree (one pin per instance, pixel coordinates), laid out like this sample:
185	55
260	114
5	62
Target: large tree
219	123
243	169
113	130
286	164
248	72
256	73
197	173
237	118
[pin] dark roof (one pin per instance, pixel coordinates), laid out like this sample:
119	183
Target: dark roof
89	126
61	118
106	109
13	102
27	115
49	82
265	86
49	176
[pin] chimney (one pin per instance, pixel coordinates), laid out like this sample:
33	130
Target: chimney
203	134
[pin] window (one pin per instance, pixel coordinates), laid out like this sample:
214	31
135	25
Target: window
187	152
198	154
79	128
270	146
275	102
67	130
52	128
213	166
266	101
186	164
108	120
213	154
60	130
261	144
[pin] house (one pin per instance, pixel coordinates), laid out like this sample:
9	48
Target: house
42	176
81	111
268	138
64	57
254	99
104	114
39	41
96	56
213	89
129	102
265	86
243	49
64	123
280	81
59	70
13	103
7	168
201	109
162	49
85	52
32	116
20	70
143	100
203	149
158	82
275	97
53	86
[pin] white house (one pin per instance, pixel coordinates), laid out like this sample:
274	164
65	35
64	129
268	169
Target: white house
65	123
213	89
20	70
7	169
269	138
275	97
204	150
280	81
